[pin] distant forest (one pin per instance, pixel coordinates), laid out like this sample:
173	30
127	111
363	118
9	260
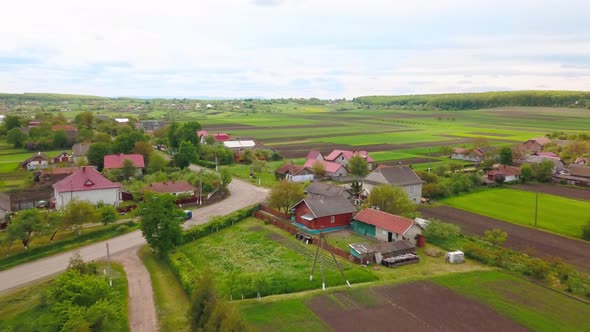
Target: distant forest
468	101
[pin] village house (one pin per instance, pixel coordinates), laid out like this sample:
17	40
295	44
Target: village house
79	151
332	169
221	137
576	175
239	145
71	131
314	155
559	165
86	184
149	126
176	188
401	176
534	145
122	121
508	173
295	173
581	161
116	161
323	213
36	161
52	175
318	189
202	135
385	227
63	157
342	157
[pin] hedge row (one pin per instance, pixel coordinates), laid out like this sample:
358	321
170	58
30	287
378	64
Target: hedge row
218	223
183	268
205	163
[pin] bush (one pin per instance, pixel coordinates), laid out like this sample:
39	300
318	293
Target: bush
586	231
443	234
205	163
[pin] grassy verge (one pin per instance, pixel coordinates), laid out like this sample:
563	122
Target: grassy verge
68	243
287	315
171	301
556	214
23	307
533	306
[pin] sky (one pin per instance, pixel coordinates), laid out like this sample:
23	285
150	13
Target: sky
292	48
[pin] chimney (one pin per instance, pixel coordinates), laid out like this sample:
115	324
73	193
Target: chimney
83	169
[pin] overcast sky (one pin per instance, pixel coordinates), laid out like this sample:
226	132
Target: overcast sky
292	48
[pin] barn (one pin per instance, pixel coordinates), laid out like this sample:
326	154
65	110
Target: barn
323	213
385	226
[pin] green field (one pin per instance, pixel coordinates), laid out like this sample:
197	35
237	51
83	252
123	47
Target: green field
533	306
556	214
251	257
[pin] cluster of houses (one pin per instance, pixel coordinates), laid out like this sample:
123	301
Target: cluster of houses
531	152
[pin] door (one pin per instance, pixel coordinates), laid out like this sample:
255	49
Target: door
389	236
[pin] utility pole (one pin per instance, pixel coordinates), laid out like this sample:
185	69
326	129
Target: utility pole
536	206
201	187
109	266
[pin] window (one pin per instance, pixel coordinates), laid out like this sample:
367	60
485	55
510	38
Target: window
332	219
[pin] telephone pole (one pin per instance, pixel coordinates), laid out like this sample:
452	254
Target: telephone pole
109	266
536	206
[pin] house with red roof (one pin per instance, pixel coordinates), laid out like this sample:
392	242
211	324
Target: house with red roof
221	137
86	184
385	226
202	134
63	157
116	161
295	173
173	187
36	161
534	145
508	173
343	156
314	155
332	169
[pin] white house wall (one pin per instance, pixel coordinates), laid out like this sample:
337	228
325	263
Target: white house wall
107	196
412	233
414	192
300	178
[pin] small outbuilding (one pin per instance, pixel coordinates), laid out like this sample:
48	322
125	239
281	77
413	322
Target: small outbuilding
295	173
386	227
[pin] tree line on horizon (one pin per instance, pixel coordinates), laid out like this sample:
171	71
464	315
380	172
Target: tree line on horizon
467	101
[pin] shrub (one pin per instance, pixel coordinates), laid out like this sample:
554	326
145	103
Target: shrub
443	234
586	231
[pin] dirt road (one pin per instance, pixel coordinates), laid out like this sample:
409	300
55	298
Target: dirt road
556	190
142	312
575	252
242	195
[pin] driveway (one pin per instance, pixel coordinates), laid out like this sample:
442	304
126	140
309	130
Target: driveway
242	194
574	252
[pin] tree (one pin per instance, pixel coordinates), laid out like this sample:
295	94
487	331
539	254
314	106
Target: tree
125	143
543	171
84	120
284	195
157	163
60	139
108	214
455	166
258	165
25	226
96	153
76	213
225	178
487	163
16	137
145	149
203	303
439	232
358	166
586	231
356	187
102	138
173	139
85	135
128	169
506	155
161	220
187	154
526	172
480	142
11	122
391	199
188	132
319	169
495	236
55	223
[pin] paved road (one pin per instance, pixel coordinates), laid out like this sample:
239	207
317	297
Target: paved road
242	195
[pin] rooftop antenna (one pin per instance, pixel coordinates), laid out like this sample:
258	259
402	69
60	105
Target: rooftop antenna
324	239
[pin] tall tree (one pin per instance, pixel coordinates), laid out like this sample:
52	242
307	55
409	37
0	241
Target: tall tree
108	214
60	139
128	170
126	142
506	155
358	166
85	135
188	132
11	122
526	172
96	153
160	222
319	169
542	172
391	199
84	120
284	195
16	137
157	163
203	303
145	149
173	139
26	225
187	154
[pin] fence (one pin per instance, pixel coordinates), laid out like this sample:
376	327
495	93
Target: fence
274	212
267	214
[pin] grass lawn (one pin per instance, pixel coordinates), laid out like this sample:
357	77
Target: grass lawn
171	301
22	307
266	178
533	306
284	315
557	214
250	257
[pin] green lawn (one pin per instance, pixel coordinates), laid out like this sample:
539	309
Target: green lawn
533	306
171	301
557	214
250	257
21	308
286	315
